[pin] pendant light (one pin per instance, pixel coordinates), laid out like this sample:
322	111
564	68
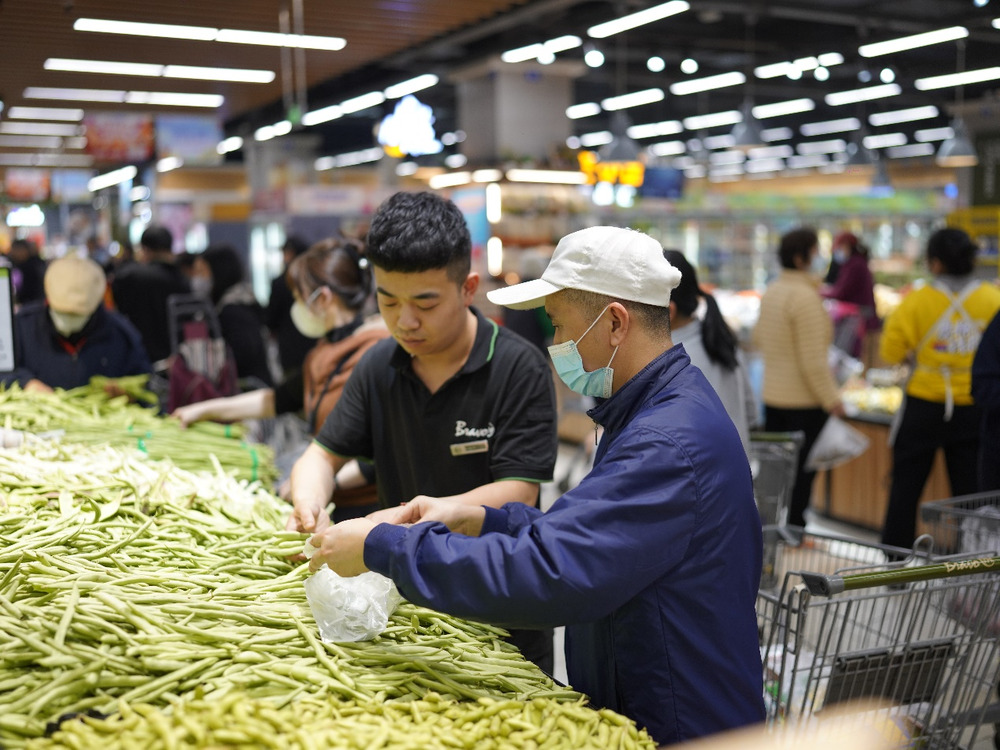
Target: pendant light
958	151
747	132
621	148
881	184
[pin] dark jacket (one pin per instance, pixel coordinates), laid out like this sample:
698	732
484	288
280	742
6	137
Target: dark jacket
242	321
986	392
140	292
652	562
108	345
32	285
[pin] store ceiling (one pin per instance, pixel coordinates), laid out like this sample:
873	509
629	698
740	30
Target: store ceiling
392	40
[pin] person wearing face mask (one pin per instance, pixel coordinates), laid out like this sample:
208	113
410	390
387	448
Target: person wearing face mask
793	335
652	561
452	406
69	337
854	286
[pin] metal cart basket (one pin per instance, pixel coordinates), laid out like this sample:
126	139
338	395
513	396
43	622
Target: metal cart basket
913	636
774	460
969	523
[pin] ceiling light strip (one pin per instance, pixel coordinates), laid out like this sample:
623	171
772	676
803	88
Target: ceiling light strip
915	41
634	20
209	34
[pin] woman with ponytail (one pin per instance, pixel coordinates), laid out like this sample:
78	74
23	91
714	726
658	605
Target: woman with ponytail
712	346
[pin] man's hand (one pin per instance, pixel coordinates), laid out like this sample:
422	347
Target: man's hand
36	386
342	547
307	518
462	519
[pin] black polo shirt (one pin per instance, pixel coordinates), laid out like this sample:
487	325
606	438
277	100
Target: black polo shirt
494	419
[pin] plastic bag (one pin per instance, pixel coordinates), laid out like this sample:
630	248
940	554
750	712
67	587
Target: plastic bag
350	609
843	365
837	442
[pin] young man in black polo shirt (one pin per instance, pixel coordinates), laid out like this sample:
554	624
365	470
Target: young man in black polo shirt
454	406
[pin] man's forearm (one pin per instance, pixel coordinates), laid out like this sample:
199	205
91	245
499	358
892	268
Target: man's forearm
500	493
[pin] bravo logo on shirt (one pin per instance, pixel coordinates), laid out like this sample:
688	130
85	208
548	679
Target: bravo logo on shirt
462	429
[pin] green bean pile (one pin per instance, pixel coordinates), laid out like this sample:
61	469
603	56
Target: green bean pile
316	722
91	416
126	579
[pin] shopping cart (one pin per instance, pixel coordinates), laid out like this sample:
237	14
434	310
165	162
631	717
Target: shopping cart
773	464
969	523
911	635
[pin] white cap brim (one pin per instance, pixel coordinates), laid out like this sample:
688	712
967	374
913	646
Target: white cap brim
523	296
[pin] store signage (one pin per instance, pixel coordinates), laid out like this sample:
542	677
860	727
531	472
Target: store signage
27	184
612	172
191	138
26	216
409	130
119	137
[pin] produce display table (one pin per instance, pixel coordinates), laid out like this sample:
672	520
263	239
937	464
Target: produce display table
161	600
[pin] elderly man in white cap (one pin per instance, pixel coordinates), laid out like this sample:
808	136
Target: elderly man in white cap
653	560
63	341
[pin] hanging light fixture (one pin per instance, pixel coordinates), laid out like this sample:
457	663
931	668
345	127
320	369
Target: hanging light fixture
747	132
881	184
958	151
858	154
621	148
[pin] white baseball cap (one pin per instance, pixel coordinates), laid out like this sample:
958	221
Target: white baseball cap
620	263
74	285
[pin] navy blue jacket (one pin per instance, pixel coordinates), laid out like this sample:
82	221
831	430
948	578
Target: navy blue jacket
986	392
108	345
652	562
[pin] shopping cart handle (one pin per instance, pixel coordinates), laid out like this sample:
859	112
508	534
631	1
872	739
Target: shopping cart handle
828	585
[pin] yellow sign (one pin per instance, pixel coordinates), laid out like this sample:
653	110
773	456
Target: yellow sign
614	172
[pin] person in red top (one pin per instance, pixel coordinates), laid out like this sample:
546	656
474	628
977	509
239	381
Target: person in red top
854	287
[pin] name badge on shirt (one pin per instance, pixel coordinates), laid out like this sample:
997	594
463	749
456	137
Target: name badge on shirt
464	449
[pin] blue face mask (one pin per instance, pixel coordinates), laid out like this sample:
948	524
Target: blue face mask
569	367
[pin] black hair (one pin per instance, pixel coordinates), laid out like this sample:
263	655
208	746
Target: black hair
296	244
227	268
719	340
414	232
337	263
955	250
796	244
157	239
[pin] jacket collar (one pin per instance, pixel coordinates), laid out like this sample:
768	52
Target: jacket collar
615	412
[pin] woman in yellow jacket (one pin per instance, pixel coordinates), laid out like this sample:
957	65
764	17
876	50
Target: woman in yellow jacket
936	329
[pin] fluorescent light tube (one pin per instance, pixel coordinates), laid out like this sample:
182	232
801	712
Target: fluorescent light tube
104	67
913	149
869	93
903	115
822	147
725	140
487	175
76	142
635	99
46	160
668	148
779	109
209	34
325	114
168	164
957	79
353	158
587	109
44	113
727	157
553	176
807	161
412	86
30	141
521	54
39	128
776	134
714	120
358	103
884	140
633	20
111	178
165	30
913	42
655	129
240	75
600	138
74	95
169	99
757	166
696	85
233	143
844	125
771	152
935	134
562	43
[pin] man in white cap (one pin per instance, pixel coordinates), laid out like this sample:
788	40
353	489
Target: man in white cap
65	340
653	560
